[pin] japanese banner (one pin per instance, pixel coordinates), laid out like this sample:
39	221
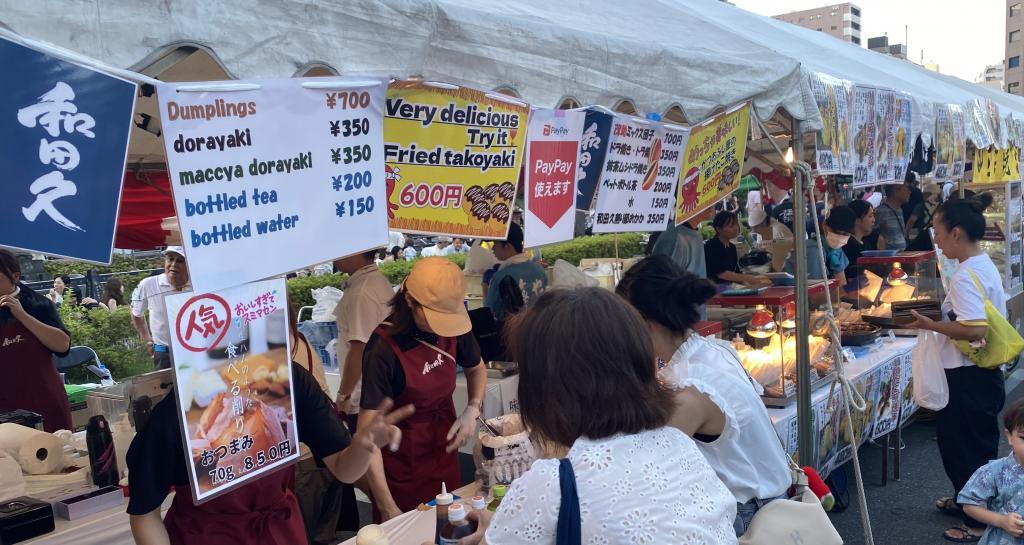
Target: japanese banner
834	154
886	403
950	142
453	158
640	174
996	165
885	121
552	149
865	144
234	384
712	162
64	129
597	131
995	123
902	143
289	168
907	404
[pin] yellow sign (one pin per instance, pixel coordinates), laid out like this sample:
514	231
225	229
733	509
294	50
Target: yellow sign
712	162
452	158
995	165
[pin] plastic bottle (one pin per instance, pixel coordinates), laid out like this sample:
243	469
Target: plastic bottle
107	379
499	493
371	535
478	503
457	528
102	457
442	501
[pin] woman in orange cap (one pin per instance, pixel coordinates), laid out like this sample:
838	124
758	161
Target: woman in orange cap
411	358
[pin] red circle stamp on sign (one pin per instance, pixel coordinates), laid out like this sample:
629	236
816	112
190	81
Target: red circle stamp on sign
202	318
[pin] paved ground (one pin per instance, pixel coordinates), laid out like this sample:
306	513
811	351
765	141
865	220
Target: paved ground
902	512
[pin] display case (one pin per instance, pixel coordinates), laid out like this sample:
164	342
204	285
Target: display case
767	349
896	282
1003	241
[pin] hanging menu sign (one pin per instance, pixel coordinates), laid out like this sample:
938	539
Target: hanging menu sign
885	121
712	162
639	177
950	142
552	148
902	145
268	168
833	144
865	136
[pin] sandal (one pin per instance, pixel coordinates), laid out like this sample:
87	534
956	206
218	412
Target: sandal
949	506
961	534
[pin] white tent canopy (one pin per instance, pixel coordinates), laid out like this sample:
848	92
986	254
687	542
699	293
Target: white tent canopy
655	54
820	52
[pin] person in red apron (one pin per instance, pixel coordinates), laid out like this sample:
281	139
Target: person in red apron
31	333
412	359
263	512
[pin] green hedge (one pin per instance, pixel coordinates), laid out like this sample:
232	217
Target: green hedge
58	267
597	246
112	336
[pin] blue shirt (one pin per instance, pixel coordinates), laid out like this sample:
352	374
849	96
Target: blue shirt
528	275
835	261
999	487
685	246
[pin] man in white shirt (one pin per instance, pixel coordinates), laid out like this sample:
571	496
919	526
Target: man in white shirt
366	303
150	296
438	249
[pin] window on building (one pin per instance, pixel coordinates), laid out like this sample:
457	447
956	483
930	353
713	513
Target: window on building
1013	62
856	26
855	40
855	11
833	27
1013	88
819	29
1014	36
1015	9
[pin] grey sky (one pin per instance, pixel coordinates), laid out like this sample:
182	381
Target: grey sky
961	36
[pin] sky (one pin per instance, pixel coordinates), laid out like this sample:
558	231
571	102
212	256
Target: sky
962	36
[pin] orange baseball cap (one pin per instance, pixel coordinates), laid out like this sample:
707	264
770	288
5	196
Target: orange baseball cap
439	286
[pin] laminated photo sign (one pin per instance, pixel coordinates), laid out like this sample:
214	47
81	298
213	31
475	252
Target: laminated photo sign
453	158
290	168
833	144
64	130
233	380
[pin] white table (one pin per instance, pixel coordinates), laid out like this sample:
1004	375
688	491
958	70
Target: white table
108	527
886	366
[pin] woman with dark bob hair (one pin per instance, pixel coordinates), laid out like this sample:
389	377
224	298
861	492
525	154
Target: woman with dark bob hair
718	404
588	382
968	427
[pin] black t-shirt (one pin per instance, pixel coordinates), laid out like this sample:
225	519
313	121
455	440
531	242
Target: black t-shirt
853	250
156	459
383	375
720	258
38	307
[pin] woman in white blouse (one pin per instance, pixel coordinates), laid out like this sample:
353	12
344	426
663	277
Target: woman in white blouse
718	403
587	381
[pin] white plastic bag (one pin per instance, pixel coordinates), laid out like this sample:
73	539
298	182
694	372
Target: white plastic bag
930	388
568	276
479	259
326	299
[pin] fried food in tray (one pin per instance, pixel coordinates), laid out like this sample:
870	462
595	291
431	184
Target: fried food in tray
266	424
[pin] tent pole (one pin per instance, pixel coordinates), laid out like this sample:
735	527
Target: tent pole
805	436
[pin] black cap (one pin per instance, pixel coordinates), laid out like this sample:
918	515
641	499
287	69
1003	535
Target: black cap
842	219
515	236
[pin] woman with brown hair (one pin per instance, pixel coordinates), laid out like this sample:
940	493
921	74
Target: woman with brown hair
113	294
588	381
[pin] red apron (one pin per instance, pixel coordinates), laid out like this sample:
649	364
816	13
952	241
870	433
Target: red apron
33	382
415	472
264	511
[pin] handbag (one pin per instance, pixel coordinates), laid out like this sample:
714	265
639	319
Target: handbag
568	531
1001	344
931	390
799	519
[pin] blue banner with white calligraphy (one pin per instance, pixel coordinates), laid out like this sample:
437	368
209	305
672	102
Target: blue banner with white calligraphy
65	130
593	147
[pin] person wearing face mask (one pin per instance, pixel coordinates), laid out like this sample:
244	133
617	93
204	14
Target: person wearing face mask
836	232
